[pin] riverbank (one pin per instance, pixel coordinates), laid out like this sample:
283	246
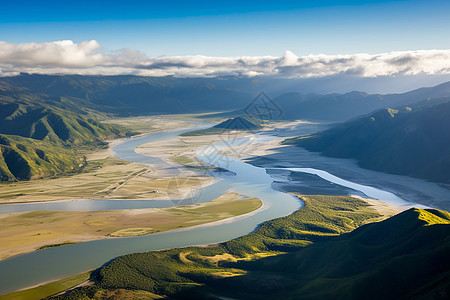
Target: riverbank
273	154
322	217
247	179
25	232
337	210
105	176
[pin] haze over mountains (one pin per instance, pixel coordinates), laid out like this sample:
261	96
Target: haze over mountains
413	141
146	95
65	111
46	120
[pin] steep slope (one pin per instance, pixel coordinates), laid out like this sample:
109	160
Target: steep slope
135	94
25	158
141	95
409	141
60	120
38	134
44	122
403	257
311	254
227	126
341	107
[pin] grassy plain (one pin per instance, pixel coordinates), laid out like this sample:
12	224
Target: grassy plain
46	290
319	252
173	271
24	232
105	176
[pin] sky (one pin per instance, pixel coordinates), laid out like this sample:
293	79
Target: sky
206	38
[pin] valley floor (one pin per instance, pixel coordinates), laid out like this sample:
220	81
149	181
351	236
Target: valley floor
28	231
107	177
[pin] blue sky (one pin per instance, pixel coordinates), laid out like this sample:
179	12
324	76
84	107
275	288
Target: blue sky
232	28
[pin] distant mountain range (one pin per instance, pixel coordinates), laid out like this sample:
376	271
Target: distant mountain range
147	95
138	95
65	111
413	141
340	107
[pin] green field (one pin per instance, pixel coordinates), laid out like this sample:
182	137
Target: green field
28	231
48	289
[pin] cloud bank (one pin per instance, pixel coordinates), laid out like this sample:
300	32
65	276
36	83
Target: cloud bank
87	58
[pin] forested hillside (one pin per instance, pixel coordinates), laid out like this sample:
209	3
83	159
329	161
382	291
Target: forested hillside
413	141
311	254
39	134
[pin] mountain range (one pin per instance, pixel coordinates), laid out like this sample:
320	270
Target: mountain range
411	140
66	110
149	95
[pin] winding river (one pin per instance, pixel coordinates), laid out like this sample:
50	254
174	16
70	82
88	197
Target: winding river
50	264
40	266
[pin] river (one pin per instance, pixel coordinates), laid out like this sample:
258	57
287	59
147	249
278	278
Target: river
40	266
50	264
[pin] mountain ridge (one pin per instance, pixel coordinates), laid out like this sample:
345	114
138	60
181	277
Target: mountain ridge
127	94
412	140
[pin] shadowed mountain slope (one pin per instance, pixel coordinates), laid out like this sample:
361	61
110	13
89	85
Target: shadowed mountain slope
413	141
403	257
145	95
311	254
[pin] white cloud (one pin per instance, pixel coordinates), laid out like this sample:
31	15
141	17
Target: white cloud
67	57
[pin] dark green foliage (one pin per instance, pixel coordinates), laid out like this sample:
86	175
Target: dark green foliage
39	135
326	216
177	270
25	158
410	141
86	292
403	257
45	122
17	165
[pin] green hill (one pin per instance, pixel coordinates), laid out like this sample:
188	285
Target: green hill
39	134
44	122
404	257
311	254
238	124
26	158
413	141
